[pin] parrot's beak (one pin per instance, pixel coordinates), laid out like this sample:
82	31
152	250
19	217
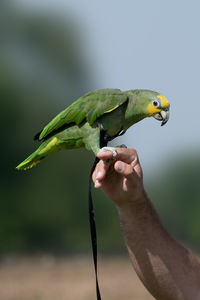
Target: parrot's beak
162	116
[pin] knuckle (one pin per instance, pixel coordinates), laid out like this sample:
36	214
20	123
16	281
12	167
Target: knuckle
136	160
93	176
128	169
134	154
133	151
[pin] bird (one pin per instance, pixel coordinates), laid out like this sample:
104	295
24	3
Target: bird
96	118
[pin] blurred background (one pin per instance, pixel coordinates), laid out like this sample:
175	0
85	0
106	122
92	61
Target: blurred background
52	52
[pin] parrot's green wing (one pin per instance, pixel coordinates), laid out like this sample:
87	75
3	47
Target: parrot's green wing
88	107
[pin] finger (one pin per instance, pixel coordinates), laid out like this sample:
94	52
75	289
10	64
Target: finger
105	155
127	155
124	169
100	173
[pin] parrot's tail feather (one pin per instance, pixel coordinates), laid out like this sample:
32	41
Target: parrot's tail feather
27	164
48	147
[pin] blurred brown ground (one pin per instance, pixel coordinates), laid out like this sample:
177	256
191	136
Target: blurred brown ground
47	278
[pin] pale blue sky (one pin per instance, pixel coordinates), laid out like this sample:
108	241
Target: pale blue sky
146	44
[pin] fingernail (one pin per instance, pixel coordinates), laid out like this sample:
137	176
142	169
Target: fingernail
120	166
96	184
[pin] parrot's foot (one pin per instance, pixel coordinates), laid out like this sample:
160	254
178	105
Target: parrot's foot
121	146
112	149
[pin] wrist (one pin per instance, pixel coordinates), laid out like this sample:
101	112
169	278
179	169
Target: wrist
133	198
135	208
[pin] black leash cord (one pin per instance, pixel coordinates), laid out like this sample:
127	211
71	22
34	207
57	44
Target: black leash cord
93	227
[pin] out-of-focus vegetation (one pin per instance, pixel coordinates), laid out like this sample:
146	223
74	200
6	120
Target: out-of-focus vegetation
176	194
42	70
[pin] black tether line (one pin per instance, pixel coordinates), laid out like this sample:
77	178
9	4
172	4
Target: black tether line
104	138
93	228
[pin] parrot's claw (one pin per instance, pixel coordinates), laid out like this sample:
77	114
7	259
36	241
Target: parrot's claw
112	149
121	146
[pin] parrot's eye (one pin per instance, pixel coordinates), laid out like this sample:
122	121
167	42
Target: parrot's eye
156	103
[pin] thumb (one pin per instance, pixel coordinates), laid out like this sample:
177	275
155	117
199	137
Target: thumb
124	169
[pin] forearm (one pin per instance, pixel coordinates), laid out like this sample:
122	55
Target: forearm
167	269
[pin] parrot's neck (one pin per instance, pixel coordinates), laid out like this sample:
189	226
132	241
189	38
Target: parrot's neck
136	109
132	120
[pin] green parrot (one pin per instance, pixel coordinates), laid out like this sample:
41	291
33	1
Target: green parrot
95	119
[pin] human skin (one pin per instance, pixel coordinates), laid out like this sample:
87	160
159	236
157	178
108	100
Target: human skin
167	269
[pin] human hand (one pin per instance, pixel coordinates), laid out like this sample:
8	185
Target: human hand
120	179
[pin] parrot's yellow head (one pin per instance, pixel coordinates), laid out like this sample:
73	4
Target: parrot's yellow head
159	108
